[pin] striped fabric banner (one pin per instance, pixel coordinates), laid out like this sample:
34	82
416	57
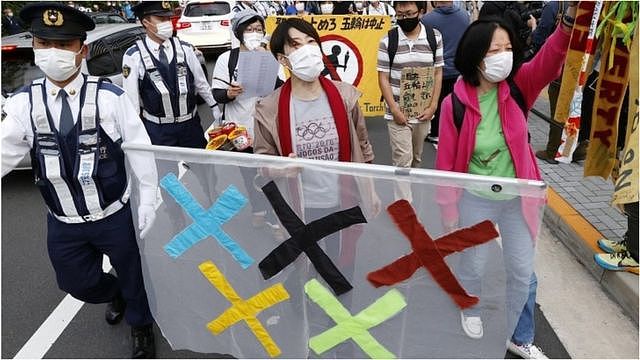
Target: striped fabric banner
572	126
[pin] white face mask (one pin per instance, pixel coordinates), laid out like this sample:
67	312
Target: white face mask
358	5
165	30
326	8
57	64
497	67
252	40
300	7
306	62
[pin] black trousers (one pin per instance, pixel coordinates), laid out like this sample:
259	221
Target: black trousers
632	228
76	253
447	88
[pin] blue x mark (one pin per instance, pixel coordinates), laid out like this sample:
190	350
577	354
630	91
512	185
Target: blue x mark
206	222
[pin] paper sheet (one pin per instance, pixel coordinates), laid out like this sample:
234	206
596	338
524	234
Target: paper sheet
257	73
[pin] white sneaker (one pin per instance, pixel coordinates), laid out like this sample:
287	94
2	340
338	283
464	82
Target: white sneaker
277	231
472	326
526	351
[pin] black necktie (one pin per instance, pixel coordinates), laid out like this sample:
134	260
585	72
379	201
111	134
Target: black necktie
66	118
163	56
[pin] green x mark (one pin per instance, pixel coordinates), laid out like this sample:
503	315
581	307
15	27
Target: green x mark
353	327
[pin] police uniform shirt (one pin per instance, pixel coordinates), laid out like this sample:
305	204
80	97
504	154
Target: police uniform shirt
118	119
133	61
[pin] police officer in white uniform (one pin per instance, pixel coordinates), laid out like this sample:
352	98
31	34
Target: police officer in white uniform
163	77
74	124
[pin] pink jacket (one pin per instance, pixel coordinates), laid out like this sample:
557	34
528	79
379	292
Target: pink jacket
455	150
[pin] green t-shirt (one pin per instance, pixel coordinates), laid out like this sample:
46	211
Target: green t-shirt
491	155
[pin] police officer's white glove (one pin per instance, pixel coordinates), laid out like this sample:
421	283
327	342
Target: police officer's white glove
146	216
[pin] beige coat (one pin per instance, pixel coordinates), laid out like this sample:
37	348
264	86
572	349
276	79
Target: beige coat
266	136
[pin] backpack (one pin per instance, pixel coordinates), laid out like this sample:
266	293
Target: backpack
459	108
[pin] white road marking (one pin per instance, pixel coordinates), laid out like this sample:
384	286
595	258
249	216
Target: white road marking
47	334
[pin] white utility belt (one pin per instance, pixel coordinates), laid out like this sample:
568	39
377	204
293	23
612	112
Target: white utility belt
110	210
168	119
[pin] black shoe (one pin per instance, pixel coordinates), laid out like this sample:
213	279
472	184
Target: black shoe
544	155
144	345
115	310
431	139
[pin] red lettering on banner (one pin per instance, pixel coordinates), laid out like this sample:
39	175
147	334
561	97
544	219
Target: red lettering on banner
579	37
603	136
610	91
579	40
610	115
620	62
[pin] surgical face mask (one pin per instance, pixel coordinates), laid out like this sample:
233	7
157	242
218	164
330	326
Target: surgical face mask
57	64
10	14
358	5
497	67
252	40
165	30
326	8
408	24
306	62
299	7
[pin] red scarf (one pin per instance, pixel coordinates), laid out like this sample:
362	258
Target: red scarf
338	111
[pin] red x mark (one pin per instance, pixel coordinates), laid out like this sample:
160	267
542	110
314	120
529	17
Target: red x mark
430	254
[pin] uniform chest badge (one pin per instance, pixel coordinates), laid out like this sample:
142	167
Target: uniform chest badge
52	18
181	70
126	70
103	153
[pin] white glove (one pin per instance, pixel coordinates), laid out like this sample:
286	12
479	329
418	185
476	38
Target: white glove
146	216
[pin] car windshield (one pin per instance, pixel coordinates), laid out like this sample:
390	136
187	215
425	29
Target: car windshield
18	69
108	19
207	9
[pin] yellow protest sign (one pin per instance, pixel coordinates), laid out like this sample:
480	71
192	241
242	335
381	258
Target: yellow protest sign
626	185
416	90
350	44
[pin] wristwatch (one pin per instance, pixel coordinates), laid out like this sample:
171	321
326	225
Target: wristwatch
568	20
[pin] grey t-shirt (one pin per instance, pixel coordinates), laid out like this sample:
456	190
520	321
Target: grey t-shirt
314	136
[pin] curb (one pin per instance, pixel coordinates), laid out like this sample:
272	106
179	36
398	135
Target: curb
580	237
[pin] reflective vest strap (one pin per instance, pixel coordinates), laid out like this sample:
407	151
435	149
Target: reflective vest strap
146	57
86	169
90	104
156	78
52	173
182	69
88	147
38	111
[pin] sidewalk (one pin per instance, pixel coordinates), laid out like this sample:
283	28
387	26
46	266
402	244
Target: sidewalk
579	212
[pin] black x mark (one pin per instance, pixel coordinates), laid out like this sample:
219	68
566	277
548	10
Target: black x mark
304	238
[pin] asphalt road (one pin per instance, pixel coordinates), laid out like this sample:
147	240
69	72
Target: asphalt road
30	293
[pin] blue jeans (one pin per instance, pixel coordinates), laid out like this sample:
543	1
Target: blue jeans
518	256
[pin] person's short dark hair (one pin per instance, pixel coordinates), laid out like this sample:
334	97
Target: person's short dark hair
475	43
280	35
239	33
422	5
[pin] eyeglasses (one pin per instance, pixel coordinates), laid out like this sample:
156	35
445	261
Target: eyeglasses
401	16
